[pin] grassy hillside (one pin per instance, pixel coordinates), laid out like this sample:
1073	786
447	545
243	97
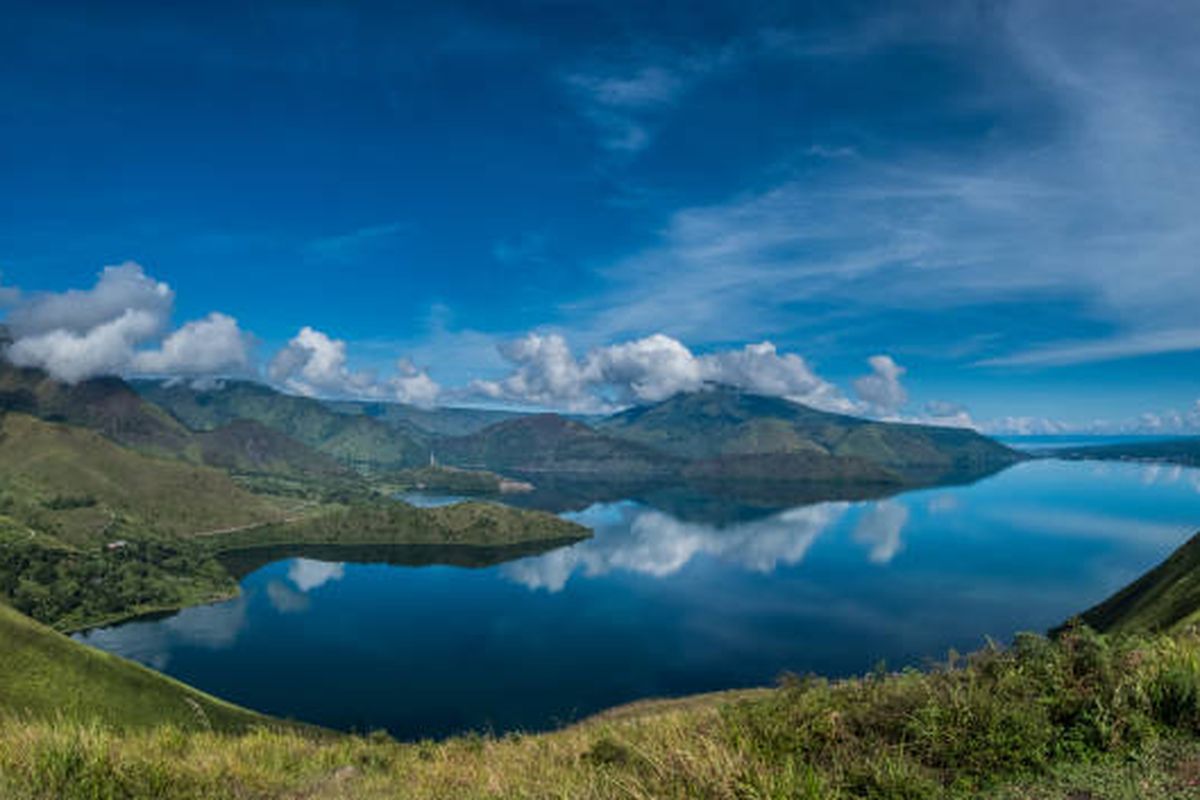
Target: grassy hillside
248	446
445	421
1166	598
351	439
108	406
84	489
1169	451
723	425
1083	717
46	676
553	444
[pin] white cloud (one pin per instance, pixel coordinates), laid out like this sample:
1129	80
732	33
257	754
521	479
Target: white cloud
106	348
546	374
1125	346
316	365
210	346
412	384
650	369
1099	215
119	289
882	390
112	329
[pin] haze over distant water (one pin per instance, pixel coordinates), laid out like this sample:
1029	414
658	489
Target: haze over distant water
674	595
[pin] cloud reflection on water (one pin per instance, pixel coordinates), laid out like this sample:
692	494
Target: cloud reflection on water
212	627
630	538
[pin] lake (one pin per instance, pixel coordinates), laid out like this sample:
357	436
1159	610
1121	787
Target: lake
675	594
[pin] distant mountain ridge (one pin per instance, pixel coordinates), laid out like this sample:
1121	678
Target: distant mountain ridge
724	434
354	439
726	426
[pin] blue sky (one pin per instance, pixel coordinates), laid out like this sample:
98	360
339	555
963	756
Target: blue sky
1001	198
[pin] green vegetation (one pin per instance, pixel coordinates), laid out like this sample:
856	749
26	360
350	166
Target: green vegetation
82	489
430	421
549	443
447	479
723	428
46	677
71	588
393	523
355	440
1184	451
1166	598
1081	717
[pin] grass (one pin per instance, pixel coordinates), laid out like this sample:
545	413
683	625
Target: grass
83	489
1084	717
1165	598
46	676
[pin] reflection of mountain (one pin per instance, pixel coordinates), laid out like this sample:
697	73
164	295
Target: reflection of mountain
631	538
241	563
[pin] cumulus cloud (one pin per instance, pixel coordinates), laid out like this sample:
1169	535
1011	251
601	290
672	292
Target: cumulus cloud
209	346
649	369
316	365
112	329
107	348
118	290
882	390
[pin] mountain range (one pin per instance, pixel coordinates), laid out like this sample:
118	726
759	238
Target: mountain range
715	434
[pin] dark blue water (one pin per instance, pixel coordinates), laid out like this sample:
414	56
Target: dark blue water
682	598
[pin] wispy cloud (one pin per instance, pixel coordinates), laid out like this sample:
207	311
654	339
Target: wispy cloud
1125	346
1100	214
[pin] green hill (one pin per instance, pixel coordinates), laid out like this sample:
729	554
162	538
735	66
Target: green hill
46	676
351	439
1166	598
248	446
444	421
111	407
549	443
82	488
724	426
106	405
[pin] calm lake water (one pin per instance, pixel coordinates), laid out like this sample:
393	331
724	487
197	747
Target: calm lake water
673	595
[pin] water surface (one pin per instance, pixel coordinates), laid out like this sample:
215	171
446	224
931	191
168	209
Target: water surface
675	594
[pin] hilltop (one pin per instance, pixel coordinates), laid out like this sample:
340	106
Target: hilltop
353	439
728	429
